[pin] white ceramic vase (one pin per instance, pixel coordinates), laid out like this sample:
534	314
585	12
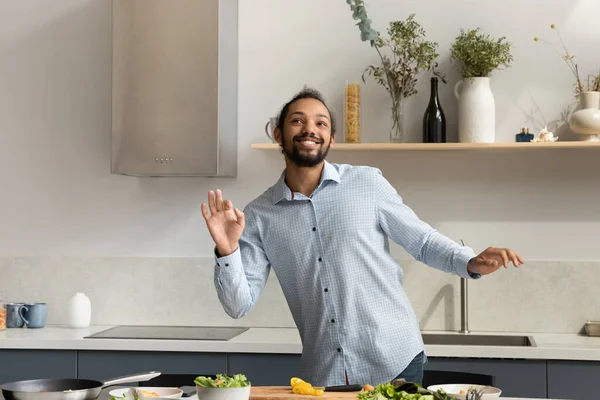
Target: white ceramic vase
476	110
586	121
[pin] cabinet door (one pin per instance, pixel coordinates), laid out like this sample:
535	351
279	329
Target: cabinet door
265	369
18	365
516	378
575	380
102	365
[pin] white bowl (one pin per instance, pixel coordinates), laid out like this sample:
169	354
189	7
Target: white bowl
210	393
163	392
460	390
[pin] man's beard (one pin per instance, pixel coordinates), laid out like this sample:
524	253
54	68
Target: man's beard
306	160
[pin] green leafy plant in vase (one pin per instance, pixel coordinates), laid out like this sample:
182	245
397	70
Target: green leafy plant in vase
405	54
586	120
478	55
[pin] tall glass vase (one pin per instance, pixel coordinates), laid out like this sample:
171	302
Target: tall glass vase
397	133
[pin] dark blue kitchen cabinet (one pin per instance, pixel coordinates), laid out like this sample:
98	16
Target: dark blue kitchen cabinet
102	365
516	378
574	380
261	369
18	365
265	369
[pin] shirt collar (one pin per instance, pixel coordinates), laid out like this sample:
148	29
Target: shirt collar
281	191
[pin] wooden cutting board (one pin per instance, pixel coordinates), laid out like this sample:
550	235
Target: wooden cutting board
285	393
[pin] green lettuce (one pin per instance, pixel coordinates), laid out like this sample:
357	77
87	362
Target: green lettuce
223	381
404	391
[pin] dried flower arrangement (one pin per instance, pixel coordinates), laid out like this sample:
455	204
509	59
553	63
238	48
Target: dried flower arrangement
593	81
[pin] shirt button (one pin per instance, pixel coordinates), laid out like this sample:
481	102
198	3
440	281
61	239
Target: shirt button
327	290
332	321
320	259
226	264
314	229
339	350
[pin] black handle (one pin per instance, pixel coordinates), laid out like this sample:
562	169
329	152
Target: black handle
188	391
344	388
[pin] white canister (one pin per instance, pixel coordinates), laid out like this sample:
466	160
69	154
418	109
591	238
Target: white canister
80	311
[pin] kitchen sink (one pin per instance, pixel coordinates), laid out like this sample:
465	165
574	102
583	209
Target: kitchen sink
478	340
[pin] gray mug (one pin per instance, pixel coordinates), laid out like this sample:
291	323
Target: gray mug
270	129
13	316
34	315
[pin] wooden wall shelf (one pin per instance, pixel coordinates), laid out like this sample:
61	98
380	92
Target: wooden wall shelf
446	146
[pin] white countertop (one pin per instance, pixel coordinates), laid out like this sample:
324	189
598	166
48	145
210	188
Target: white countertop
287	340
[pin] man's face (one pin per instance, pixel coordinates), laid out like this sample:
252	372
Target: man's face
306	136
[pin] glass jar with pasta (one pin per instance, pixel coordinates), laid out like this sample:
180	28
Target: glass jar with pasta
352	112
2	314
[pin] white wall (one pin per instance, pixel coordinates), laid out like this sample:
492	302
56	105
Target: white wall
58	198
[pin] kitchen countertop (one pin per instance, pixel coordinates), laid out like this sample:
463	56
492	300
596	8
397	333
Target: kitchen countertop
104	396
287	340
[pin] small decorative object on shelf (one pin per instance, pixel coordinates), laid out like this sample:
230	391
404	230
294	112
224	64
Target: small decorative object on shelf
434	120
545	136
524	135
530	135
352	112
478	55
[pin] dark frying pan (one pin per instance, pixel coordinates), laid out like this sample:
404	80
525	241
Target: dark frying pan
66	389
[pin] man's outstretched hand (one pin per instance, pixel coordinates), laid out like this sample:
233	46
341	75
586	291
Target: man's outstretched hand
225	223
491	259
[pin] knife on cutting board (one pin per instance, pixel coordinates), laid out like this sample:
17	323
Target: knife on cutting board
344	388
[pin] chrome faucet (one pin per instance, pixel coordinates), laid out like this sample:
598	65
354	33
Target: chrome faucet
464	303
464	306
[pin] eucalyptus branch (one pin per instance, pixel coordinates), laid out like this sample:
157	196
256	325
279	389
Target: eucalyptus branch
410	53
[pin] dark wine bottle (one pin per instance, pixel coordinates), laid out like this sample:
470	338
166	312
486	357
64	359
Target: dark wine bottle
434	121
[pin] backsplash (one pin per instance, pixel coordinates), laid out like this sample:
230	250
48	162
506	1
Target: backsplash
541	296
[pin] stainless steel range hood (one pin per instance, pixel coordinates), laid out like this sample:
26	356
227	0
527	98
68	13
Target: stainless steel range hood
174	88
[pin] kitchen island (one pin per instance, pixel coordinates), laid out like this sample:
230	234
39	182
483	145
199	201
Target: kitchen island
270	356
104	396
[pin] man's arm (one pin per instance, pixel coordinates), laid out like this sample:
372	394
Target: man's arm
240	277
418	238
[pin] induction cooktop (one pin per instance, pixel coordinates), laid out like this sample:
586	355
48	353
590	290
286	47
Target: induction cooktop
169	332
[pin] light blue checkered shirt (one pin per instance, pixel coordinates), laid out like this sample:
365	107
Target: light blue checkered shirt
330	253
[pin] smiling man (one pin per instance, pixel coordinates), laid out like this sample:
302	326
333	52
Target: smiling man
324	229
